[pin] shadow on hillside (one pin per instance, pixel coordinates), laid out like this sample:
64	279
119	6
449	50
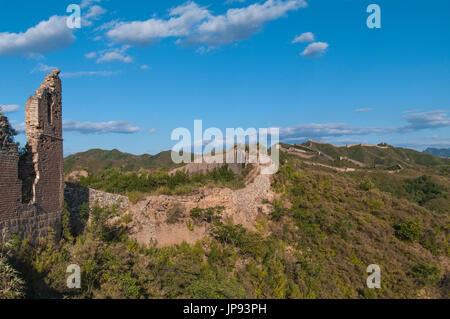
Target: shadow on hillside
77	199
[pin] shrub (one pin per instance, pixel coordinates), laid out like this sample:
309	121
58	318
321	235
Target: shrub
11	285
189	225
207	215
426	274
135	196
278	211
228	233
366	185
409	230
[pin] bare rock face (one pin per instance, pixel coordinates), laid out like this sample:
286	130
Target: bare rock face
166	220
31	185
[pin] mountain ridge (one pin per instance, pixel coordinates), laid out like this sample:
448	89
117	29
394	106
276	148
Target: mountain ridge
359	156
98	159
440	152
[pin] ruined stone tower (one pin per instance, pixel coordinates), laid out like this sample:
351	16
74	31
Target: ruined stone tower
32	185
44	132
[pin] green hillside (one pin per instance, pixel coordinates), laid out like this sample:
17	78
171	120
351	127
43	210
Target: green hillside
383	156
325	228
95	160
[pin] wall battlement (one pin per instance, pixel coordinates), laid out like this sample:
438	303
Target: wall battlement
32	183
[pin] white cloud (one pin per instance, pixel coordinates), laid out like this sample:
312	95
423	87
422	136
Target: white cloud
87	73
240	24
367	109
43	68
425	120
18	126
145	67
9	108
415	122
304	37
152	130
180	23
90	55
94	13
47	36
107	26
196	24
234	1
88	3
113	56
315	49
121	127
46	69
315	130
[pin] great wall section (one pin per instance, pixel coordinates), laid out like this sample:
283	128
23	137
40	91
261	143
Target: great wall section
32	188
32	181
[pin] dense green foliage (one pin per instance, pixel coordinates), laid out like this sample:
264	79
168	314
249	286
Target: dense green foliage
423	189
430	191
120	182
324	230
11	285
114	266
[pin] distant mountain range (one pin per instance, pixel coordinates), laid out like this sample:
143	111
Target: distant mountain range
441	152
357	156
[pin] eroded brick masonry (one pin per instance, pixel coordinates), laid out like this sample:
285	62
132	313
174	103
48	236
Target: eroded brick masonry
31	182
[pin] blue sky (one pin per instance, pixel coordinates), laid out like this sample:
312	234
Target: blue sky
136	69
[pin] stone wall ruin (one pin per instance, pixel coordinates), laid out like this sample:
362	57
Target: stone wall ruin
31	183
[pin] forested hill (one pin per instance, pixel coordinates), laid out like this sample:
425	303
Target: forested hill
367	156
95	160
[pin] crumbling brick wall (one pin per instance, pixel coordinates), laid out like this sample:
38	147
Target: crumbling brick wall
44	132
10	185
31	185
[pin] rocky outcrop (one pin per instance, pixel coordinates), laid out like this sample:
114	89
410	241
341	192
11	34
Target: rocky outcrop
165	220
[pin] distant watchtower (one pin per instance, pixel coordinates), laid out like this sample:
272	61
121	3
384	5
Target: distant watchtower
43	119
